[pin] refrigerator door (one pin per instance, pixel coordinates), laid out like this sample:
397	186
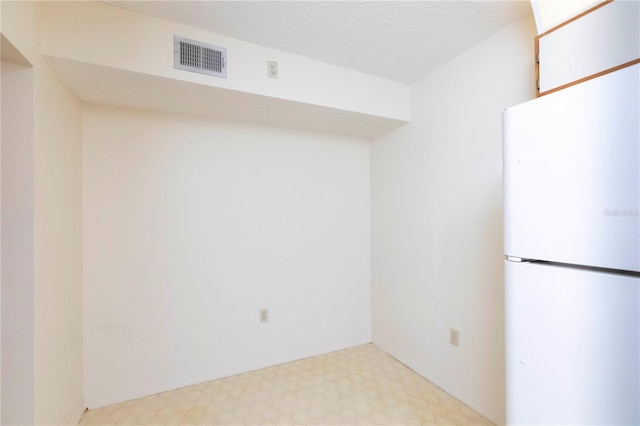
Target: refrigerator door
572	174
572	346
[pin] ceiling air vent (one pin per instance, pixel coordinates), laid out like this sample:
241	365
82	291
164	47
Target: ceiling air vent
195	56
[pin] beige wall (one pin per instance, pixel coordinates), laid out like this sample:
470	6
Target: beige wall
436	199
57	255
58	250
192	225
16	146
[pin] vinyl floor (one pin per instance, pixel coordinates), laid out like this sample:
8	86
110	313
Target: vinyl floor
357	386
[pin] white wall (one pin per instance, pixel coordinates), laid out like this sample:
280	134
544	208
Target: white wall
436	198
17	244
56	358
57	251
192	225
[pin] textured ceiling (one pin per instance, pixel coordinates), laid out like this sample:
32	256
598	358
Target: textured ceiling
399	40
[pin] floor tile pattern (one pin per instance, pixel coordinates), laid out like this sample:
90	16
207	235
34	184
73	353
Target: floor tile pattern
357	386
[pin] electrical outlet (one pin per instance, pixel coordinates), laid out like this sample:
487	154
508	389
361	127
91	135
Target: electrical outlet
272	69
454	337
264	315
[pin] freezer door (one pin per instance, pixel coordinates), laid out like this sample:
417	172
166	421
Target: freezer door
572	174
572	346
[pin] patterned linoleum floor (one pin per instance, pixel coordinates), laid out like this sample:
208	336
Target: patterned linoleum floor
357	386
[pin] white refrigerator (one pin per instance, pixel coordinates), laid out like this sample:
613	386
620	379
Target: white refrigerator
572	254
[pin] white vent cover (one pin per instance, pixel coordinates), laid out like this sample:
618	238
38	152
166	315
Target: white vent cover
195	56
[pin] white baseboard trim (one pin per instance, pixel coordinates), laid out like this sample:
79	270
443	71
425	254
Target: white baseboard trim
429	374
77	414
98	401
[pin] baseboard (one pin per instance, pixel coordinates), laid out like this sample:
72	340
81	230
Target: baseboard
439	381
77	414
206	376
